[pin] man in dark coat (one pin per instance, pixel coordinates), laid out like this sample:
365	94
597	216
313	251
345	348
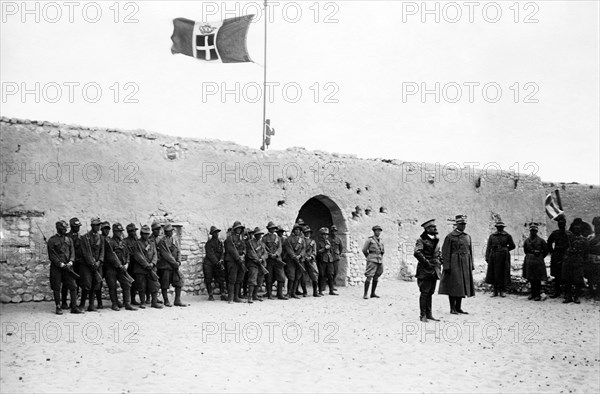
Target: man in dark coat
168	265
116	261
427	252
213	264
558	243
310	259
294	256
256	262
534	267
457	258
337	248
143	259
497	255
274	248
373	251
75	225
572	267
61	254
325	259
592	267
92	246
235	252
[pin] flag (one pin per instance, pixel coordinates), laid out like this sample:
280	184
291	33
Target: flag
223	41
551	209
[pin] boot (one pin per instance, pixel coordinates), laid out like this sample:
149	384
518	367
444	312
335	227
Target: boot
241	292
423	306
222	291
280	295
132	292
495	291
127	300
556	293
452	305
315	287
148	296
91	307
74	308
428	311
165	294
142	297
576	295
210	292
502	292
154	302
269	289
230	290
293	291
303	285
321	286
112	294
84	295
57	302
373	295
367	284
64	292
178	298
99	299
250	292
255	295
331	288
458	306
236	293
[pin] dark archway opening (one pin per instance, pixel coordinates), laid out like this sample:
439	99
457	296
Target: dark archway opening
321	211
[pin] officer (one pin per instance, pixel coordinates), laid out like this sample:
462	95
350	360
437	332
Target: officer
213	264
373	250
310	259
558	243
275	264
256	262
235	251
325	259
62	253
497	255
427	252
92	245
168	265
337	248
294	254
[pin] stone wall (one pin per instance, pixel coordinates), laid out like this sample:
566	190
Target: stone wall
55	171
578	201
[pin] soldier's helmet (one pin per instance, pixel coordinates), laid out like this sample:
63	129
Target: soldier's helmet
131	227
61	224
156	225
74	222
213	229
237	224
307	230
257	230
300	221
333	228
117	227
324	230
145	229
271	225
377	227
168	227
95	221
105	224
297	226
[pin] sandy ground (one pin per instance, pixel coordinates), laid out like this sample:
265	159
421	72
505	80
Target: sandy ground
328	344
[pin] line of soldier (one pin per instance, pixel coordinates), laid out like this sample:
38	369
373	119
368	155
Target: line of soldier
142	265
248	258
575	254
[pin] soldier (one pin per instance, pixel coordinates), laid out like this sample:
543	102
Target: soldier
534	267
497	255
92	245
558	243
213	264
75	225
235	251
168	266
337	248
294	255
116	262
325	261
104	231
457	259
373	250
143	259
592	267
62	253
154	238
310	259
275	264
427	252
572	267
256	260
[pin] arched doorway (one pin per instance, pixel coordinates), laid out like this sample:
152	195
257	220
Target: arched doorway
321	211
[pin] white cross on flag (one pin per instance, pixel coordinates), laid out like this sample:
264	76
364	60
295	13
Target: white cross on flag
223	41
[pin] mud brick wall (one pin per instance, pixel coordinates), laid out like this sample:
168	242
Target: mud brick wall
55	171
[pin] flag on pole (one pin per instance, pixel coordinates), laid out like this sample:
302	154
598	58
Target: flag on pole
551	209
222	41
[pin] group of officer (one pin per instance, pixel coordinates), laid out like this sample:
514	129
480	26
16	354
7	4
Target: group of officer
140	265
575	254
250	257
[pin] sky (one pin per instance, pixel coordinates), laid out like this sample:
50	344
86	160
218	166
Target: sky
506	83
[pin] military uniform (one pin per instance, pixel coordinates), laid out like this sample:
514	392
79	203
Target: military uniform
457	275
117	262
373	250
427	252
61	254
294	255
572	266
591	268
168	266
143	261
337	248
497	256
274	249
256	261
558	243
92	245
235	250
534	267
213	264
325	261
75	224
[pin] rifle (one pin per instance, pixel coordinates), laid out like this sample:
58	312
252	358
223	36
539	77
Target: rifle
264	270
67	267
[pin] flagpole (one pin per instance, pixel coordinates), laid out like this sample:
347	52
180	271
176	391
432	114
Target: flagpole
264	120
